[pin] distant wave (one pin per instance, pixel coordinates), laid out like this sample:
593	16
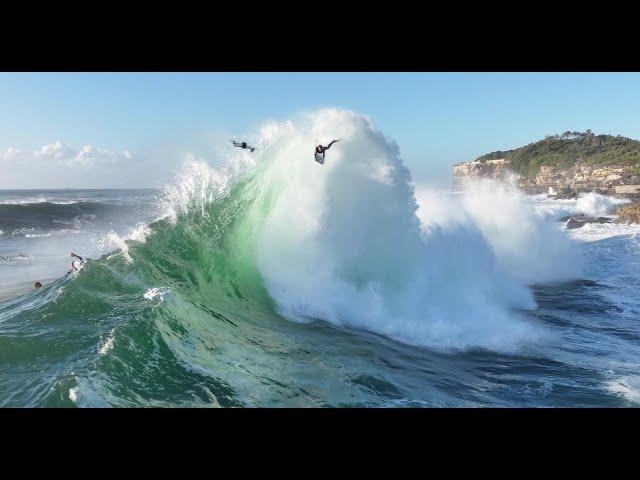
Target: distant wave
19	218
21	257
34	200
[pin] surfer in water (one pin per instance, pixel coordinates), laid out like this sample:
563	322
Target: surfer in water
75	266
243	145
320	151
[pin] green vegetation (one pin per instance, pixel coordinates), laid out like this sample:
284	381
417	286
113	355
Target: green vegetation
565	150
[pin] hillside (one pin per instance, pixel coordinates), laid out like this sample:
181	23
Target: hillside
564	151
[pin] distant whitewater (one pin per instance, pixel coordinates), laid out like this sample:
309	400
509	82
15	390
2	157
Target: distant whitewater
272	280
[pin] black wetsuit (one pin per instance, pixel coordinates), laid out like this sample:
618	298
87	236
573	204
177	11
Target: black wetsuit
243	145
73	264
320	151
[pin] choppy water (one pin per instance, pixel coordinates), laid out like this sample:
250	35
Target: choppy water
279	282
38	229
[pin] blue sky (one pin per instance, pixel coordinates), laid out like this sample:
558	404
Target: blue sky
437	119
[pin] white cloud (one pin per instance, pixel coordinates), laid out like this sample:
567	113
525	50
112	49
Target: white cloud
58	165
61	165
87	156
55	151
11	154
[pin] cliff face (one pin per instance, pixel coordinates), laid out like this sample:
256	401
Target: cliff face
629	213
614	179
611	179
497	169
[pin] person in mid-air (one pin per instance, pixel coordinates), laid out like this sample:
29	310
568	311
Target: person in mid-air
75	266
319	154
243	145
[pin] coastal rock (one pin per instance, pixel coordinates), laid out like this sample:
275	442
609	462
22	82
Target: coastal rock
566	194
568	182
579	221
497	169
628	213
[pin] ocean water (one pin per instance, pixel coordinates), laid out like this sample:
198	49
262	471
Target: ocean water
39	229
274	281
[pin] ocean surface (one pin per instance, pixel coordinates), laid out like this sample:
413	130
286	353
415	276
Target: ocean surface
274	281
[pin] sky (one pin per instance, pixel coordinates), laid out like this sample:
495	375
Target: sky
130	130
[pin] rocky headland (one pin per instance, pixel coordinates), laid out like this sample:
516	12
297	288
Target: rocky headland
564	166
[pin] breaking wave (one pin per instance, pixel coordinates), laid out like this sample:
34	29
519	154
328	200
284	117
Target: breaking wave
248	251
